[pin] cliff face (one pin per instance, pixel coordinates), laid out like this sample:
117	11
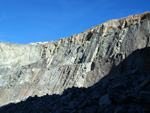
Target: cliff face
80	60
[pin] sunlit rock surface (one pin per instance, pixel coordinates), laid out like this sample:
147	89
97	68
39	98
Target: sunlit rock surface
79	60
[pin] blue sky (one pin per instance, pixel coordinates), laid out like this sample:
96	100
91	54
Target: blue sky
27	21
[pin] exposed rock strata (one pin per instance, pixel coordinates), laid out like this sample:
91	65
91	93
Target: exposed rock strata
128	92
80	60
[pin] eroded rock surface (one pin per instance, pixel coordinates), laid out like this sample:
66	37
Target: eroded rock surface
80	60
128	92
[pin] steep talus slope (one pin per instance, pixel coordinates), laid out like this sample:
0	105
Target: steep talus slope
80	60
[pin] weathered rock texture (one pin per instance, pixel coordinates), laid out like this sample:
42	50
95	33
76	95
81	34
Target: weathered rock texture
128	92
80	60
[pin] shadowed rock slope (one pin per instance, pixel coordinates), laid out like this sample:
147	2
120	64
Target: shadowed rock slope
128	92
77	61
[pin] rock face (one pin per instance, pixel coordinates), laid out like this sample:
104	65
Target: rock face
128	92
77	61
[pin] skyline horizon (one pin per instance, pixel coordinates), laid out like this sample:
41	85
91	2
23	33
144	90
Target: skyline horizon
81	31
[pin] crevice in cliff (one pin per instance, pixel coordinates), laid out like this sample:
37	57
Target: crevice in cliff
148	43
89	36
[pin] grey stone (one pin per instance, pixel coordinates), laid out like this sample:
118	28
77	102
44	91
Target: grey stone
120	109
91	109
118	87
144	97
105	100
96	95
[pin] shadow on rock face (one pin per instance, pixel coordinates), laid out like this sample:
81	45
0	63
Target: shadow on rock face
126	89
138	60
